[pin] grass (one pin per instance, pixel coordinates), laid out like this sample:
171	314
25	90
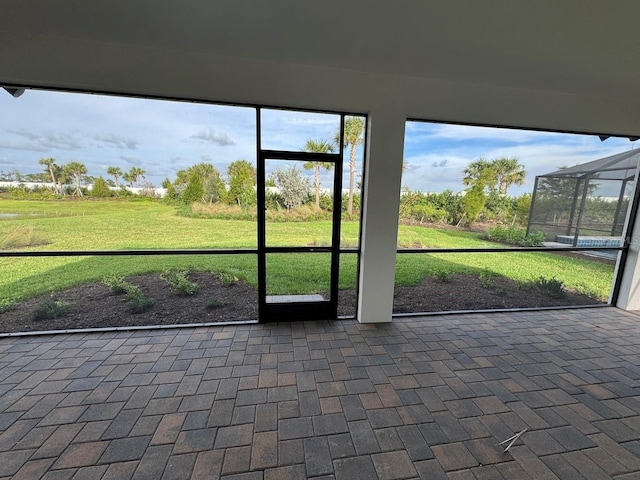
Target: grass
124	224
21	236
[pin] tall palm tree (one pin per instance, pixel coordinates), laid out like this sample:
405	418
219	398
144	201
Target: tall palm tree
353	130
52	168
480	173
508	172
116	173
76	169
129	178
137	174
318	146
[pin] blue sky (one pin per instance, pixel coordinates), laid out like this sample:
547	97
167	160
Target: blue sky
163	137
437	154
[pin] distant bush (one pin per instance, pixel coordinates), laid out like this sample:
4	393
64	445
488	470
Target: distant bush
35	193
499	207
472	204
516	236
100	188
426	207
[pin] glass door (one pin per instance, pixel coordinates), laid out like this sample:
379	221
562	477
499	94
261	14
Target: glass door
298	234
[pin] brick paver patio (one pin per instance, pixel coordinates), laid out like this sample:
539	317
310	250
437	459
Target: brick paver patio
424	397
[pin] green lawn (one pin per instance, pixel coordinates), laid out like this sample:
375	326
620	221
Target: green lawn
124	224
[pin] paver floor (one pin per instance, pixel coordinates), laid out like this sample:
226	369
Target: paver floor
427	397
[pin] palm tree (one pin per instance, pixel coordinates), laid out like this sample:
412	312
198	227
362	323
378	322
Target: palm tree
76	169
52	169
508	172
116	173
480	173
318	146
137	174
353	129
129	178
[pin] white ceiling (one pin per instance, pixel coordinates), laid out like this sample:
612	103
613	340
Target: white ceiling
582	47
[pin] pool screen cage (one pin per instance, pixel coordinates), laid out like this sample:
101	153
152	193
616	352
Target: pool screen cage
587	204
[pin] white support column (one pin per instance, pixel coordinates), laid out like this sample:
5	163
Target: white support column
629	296
381	199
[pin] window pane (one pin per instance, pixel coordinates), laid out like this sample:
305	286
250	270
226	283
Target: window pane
347	295
289	130
467	186
292	218
299	274
108	172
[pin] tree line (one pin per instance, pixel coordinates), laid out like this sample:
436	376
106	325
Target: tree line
71	177
485	197
204	182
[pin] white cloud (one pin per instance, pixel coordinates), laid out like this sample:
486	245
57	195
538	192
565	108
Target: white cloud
129	159
41	142
111	140
211	136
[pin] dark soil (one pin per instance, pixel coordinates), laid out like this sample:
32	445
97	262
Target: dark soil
94	306
467	292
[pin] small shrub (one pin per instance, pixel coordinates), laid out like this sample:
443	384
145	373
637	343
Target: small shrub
138	302
227	279
116	284
50	309
178	282
516	236
214	303
132	290
534	239
443	276
550	286
100	188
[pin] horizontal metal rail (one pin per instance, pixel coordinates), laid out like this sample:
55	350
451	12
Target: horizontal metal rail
507	249
301	156
151	252
249	251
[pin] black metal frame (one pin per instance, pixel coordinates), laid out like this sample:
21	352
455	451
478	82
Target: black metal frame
320	310
634	209
336	250
581	189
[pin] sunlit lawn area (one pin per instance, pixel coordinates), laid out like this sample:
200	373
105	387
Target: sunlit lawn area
116	225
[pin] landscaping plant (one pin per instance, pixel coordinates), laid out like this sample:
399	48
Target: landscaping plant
178	282
50	309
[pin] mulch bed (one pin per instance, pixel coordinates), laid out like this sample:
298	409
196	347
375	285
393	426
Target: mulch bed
94	306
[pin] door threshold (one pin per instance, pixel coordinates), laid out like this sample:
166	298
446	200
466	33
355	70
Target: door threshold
294	298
